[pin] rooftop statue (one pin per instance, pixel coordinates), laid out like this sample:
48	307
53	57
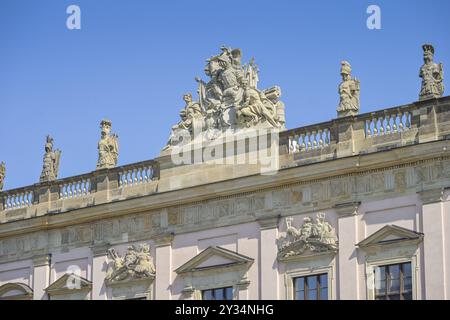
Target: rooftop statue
108	147
229	100
349	91
432	75
2	174
51	162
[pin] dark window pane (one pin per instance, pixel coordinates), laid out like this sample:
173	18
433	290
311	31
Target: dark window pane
394	297
324	280
324	294
207	295
312	294
407	296
299	284
380	273
312	282
394	271
300	295
406	269
218	294
407	284
229	293
394	286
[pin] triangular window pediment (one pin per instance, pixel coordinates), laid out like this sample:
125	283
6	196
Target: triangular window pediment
390	234
214	257
69	281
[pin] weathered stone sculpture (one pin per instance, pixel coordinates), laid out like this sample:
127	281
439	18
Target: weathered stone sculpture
318	236
135	264
230	100
432	75
108	147
349	91
51	162
2	174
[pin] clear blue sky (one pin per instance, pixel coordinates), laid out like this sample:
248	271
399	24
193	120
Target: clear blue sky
132	61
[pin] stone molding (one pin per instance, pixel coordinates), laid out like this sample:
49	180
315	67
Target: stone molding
347	208
42	260
432	196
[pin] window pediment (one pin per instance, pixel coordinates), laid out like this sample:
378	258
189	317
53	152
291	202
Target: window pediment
68	283
214	258
390	234
15	291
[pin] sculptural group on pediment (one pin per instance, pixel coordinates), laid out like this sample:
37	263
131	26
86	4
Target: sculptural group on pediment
137	263
315	236
230	99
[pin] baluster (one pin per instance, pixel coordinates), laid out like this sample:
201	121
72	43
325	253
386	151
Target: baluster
302	146
375	127
388	124
368	131
130	177
314	139
381	120
408	122
135	175
320	138
394	126
400	121
308	145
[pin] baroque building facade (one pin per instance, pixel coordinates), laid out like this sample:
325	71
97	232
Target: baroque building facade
352	208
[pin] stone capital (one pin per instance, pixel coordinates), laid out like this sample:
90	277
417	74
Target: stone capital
270	222
164	239
42	260
100	249
347	208
431	196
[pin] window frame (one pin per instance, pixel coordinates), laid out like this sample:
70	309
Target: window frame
319	266
372	264
306	289
387	280
213	290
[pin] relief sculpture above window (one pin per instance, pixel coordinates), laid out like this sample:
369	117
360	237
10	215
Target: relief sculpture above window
316	236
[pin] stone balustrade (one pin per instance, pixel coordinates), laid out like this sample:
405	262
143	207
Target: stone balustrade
75	187
388	122
136	174
416	123
75	192
310	138
17	199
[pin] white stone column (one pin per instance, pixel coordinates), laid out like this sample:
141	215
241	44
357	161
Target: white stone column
348	268
99	263
163	266
268	263
41	276
434	249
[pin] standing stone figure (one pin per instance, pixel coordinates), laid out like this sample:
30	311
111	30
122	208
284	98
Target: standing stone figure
2	174
348	92
108	147
51	162
432	75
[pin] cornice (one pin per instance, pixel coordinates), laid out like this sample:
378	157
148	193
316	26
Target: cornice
288	177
